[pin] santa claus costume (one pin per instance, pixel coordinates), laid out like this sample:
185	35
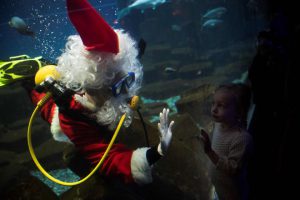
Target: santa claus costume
101	65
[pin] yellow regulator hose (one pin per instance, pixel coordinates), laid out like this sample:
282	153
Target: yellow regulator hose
40	104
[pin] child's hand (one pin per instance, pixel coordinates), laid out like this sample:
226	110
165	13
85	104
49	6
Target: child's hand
206	141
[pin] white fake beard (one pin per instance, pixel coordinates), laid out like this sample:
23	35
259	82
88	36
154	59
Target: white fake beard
111	112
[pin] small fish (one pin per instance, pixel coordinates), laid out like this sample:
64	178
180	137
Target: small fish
199	72
215	13
170	69
211	23
175	27
140	5
20	25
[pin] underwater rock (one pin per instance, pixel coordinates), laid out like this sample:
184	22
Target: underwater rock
149	28
191	71
29	187
154	108
14	104
185	164
16	131
164	88
230	71
156	52
184	53
10	172
92	189
183	168
151	74
6	158
15	158
197	103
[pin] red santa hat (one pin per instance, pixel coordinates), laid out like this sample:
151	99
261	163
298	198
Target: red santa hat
96	34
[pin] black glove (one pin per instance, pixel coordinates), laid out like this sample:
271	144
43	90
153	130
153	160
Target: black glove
152	155
61	95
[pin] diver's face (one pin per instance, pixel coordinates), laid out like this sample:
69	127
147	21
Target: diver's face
97	96
122	83
223	109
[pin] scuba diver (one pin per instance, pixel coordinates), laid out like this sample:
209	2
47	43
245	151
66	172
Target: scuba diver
95	78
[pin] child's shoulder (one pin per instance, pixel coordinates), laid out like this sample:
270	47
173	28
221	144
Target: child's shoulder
243	136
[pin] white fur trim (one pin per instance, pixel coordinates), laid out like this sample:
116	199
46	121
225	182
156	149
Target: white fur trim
140	169
55	128
85	102
159	150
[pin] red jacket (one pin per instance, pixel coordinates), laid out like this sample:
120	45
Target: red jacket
91	141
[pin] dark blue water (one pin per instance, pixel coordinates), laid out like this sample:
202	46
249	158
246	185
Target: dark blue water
48	19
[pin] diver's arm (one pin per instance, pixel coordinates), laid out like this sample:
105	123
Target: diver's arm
152	155
143	158
48	109
155	153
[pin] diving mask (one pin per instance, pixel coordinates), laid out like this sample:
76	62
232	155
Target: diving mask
124	84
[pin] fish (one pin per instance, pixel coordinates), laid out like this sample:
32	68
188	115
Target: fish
140	5
199	72
215	13
211	23
170	69
176	27
20	25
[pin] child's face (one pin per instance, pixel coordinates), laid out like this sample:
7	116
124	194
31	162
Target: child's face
223	108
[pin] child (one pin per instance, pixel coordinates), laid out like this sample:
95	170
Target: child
230	144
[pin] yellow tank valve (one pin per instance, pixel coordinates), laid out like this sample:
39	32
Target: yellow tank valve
44	72
133	104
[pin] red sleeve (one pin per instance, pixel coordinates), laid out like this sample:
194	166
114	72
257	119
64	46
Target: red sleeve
48	109
91	141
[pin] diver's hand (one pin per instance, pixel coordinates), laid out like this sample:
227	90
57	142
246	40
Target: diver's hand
206	141
165	130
